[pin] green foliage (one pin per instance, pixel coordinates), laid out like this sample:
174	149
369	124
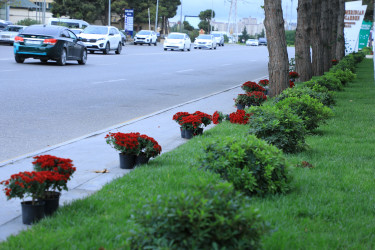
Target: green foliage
329	81
250	164
187	26
344	76
281	128
212	217
226	39
347	63
312	111
205	17
318	92
367	50
290	36
244	36
27	22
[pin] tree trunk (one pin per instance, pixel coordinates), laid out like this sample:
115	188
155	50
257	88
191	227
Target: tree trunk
316	44
278	66
334	24
325	34
303	55
340	47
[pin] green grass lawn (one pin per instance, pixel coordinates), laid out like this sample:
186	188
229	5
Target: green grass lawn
331	206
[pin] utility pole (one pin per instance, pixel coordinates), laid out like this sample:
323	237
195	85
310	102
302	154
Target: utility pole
109	12
212	11
149	21
156	18
44	12
181	18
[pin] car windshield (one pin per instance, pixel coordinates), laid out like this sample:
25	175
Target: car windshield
216	35
100	30
175	36
42	30
207	37
13	29
144	32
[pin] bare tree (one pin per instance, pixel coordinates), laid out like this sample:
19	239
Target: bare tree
303	55
278	65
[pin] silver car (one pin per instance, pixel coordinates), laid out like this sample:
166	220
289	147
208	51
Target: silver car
205	41
9	33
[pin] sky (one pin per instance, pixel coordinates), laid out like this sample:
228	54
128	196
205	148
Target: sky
245	8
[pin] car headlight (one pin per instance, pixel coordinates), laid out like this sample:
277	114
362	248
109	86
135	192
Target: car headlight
101	39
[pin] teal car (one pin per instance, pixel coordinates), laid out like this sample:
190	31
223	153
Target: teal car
49	42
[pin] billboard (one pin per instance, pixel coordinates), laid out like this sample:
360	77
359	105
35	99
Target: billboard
354	14
364	34
129	21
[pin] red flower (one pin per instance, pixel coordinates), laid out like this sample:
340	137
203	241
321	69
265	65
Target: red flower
257	97
264	82
252	86
217	117
291	84
178	116
239	117
124	142
293	74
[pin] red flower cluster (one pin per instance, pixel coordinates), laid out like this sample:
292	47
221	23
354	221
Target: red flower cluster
205	118
264	82
293	74
178	116
124	142
257	97
52	163
32	184
192	121
239	117
149	146
334	62
252	86
291	84
217	117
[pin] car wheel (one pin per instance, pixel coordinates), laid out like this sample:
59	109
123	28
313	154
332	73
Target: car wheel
106	50
83	58
156	43
183	49
135	43
222	45
215	47
195	47
43	60
200	48
62	60
150	43
165	49
19	59
189	48
119	48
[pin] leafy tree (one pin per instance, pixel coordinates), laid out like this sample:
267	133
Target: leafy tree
290	36
205	17
244	35
187	26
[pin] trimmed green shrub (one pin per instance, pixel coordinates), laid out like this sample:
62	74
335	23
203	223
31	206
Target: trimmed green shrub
311	111
324	97
328	81
213	217
357	56
344	76
347	63
252	165
281	128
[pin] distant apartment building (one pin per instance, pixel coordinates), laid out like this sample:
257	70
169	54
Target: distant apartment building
252	25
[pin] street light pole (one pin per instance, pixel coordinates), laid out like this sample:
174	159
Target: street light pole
181	18
44	12
212	11
109	12
156	17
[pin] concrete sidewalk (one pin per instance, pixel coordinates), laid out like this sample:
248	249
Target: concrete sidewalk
91	152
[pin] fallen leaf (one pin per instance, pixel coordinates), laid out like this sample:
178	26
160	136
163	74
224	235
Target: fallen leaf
102	171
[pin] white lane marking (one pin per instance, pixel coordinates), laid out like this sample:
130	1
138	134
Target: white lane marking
185	70
109	81
7	70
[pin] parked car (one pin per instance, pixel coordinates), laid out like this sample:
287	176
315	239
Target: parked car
252	42
180	41
49	42
123	37
9	33
263	41
67	22
102	38
145	37
219	38
205	41
77	31
4	24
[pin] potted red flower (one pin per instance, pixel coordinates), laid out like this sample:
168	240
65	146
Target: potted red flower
265	84
256	98
31	184
242	101
55	183
239	117
293	75
252	86
149	147
177	118
127	144
191	125
291	84
218	117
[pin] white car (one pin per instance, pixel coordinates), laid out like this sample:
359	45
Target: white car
219	38
101	38
9	33
145	37
180	41
205	41
252	42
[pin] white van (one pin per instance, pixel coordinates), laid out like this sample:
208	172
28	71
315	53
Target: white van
70	23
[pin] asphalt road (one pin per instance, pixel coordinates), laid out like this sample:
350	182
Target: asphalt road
45	104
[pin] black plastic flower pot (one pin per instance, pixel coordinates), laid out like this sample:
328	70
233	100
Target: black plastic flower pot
32	213
127	161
